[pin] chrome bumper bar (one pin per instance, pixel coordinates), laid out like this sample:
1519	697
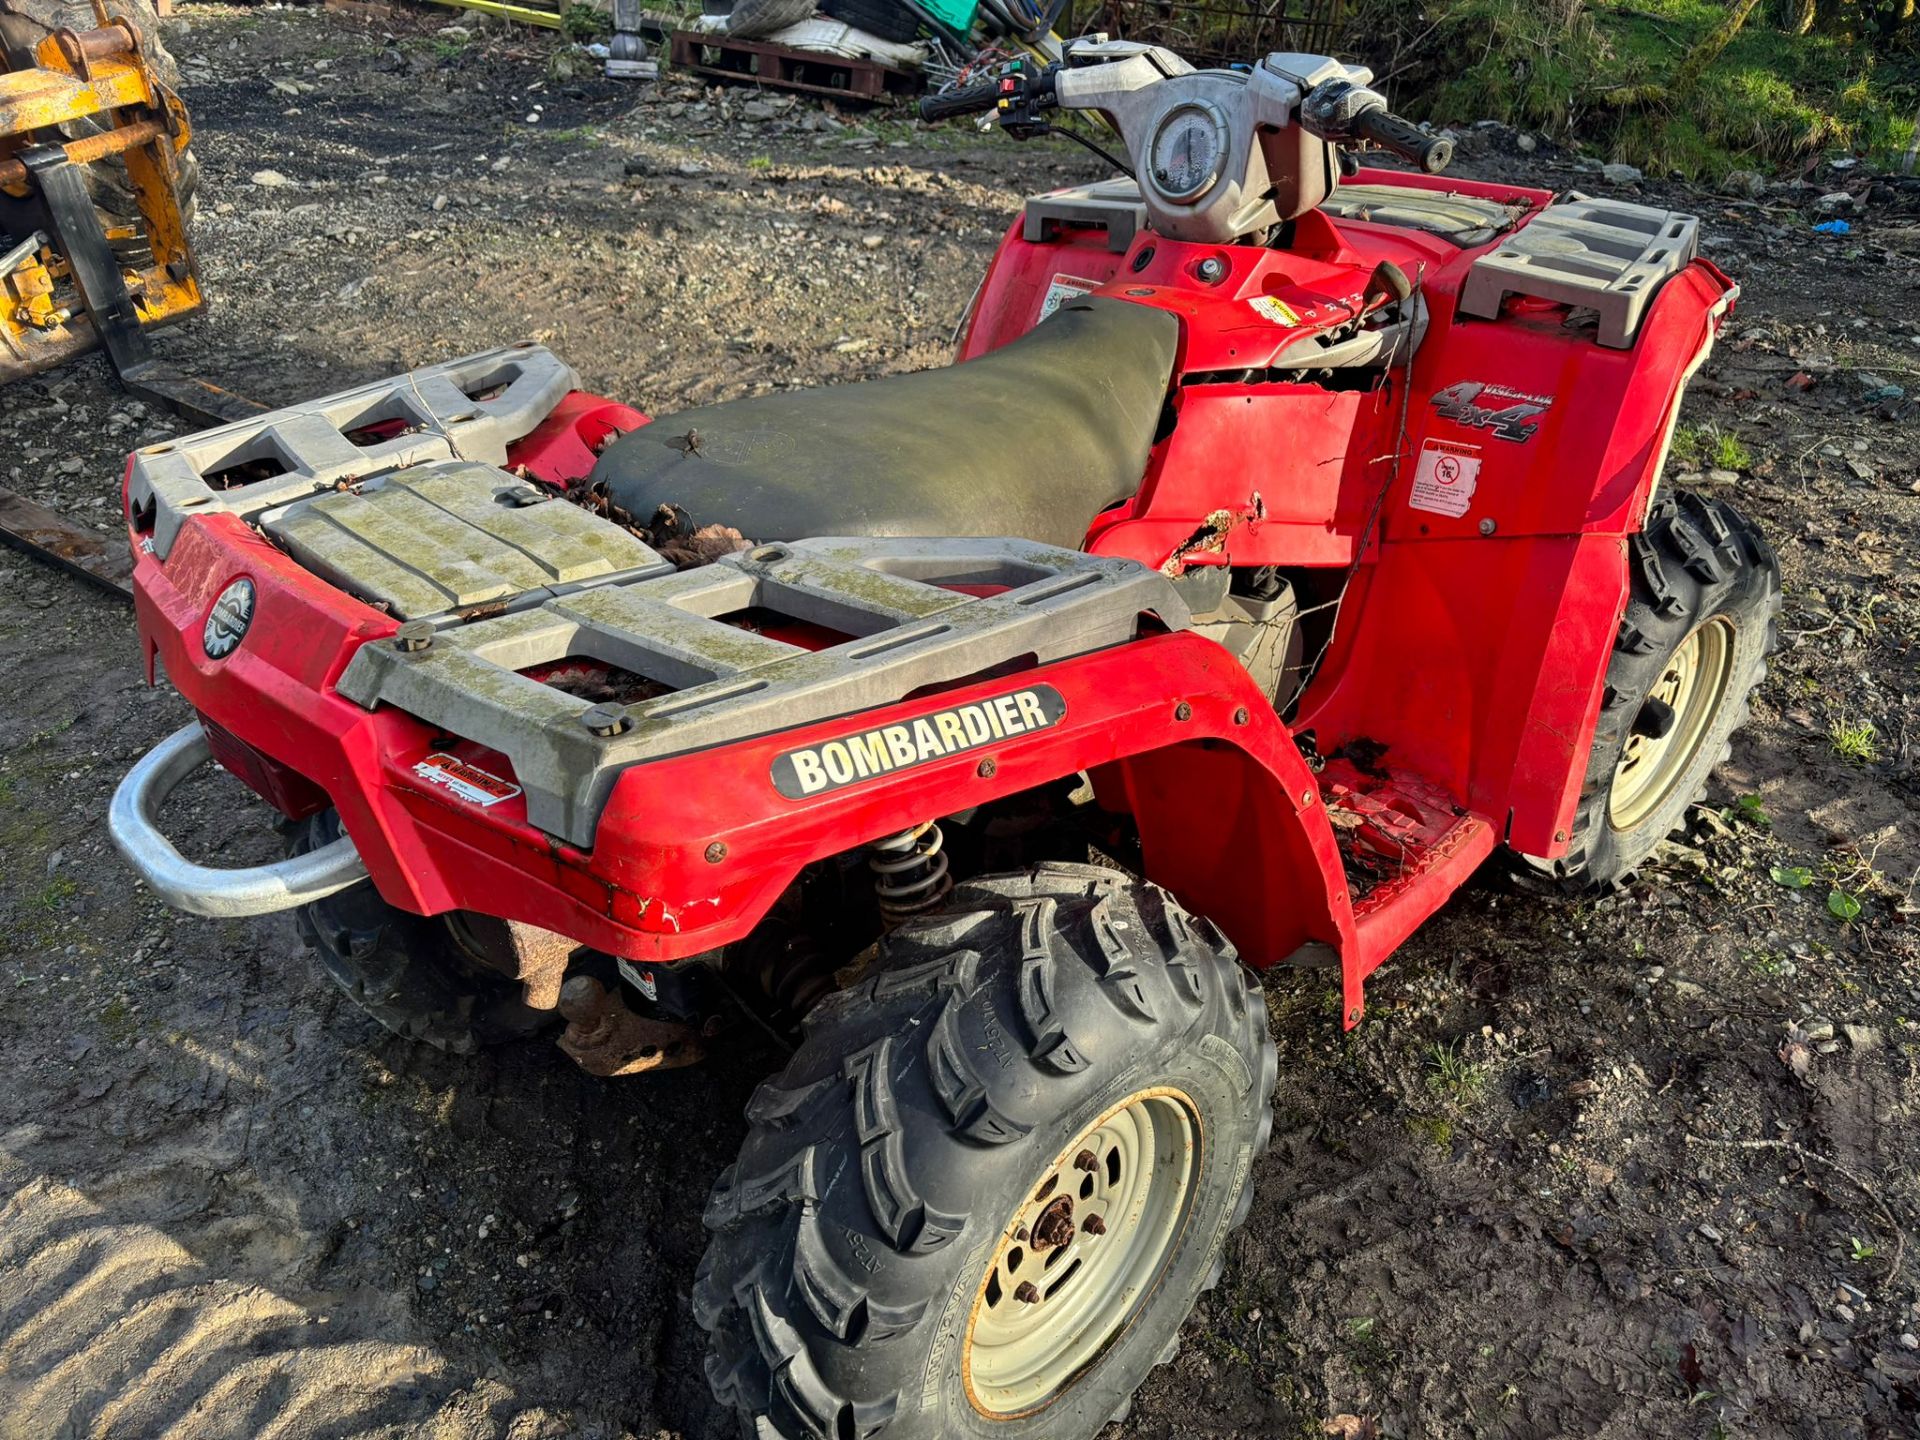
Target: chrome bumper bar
133	822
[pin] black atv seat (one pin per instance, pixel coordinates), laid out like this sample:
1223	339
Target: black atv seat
1031	440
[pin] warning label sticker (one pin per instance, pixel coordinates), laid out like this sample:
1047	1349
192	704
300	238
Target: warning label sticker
1063	288
469	782
1272	308
1445	478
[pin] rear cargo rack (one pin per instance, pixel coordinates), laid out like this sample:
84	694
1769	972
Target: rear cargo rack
469	409
908	633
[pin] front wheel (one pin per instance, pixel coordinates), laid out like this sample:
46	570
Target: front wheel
990	1184
1692	646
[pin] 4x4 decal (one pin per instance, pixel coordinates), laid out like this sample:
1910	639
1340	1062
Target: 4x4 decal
1509	414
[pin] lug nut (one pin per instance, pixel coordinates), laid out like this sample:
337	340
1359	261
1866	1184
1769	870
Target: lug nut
1028	1293
606	720
1021	1235
1094	1225
1085	1161
413	637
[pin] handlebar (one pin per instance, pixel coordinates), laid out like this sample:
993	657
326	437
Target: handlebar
968	100
1387	130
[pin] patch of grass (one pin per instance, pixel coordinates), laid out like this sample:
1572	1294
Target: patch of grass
118	1022
1857	744
760	162
585	23
1367	1350
1771	99
55	894
1436	1130
1710	448
1454	1075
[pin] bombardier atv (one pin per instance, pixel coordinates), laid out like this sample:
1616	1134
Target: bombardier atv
1338	563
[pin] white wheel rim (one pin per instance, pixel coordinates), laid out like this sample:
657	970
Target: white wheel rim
1693	685
1059	1291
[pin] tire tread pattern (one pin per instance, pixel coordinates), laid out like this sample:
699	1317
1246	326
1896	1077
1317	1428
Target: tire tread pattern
802	1298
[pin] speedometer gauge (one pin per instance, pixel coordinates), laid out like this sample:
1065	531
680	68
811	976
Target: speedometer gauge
1187	151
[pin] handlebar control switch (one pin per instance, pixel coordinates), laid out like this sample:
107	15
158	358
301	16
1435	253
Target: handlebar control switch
1331	108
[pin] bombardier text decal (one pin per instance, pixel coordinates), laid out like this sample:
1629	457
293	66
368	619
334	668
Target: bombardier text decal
853	758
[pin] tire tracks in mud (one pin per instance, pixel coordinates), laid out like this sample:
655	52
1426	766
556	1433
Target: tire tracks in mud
132	1310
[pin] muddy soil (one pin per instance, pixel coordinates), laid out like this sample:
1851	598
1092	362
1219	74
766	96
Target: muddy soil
1646	1166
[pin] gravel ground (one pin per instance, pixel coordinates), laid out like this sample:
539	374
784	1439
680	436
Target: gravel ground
1635	1167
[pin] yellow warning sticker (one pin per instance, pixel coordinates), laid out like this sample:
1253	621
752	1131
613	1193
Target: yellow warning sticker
1272	308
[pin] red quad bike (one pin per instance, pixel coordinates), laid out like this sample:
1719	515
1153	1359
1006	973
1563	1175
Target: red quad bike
1287	542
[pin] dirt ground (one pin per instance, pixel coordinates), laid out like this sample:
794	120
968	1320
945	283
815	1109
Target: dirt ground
1647	1166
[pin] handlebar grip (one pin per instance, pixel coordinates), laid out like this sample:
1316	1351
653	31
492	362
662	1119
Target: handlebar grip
1431	153
968	100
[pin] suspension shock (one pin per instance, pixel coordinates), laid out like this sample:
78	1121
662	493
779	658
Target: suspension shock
909	872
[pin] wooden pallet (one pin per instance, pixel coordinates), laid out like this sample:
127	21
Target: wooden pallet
781	67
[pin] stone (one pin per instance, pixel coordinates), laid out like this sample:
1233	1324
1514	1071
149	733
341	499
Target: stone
1618	174
1723	477
270	179
1862	1037
1747	184
1835	202
1526	143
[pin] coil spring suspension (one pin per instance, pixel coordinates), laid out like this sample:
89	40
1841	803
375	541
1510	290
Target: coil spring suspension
909	872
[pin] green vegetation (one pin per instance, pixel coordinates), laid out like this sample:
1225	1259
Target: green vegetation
1692	86
1436	1130
1455	1075
1710	447
117	1022
585	23
1857	744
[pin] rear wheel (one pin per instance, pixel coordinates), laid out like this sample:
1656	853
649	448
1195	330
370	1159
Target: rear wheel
25	23
430	979
1692	646
992	1181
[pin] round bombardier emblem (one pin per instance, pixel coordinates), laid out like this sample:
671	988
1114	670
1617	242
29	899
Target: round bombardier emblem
227	622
